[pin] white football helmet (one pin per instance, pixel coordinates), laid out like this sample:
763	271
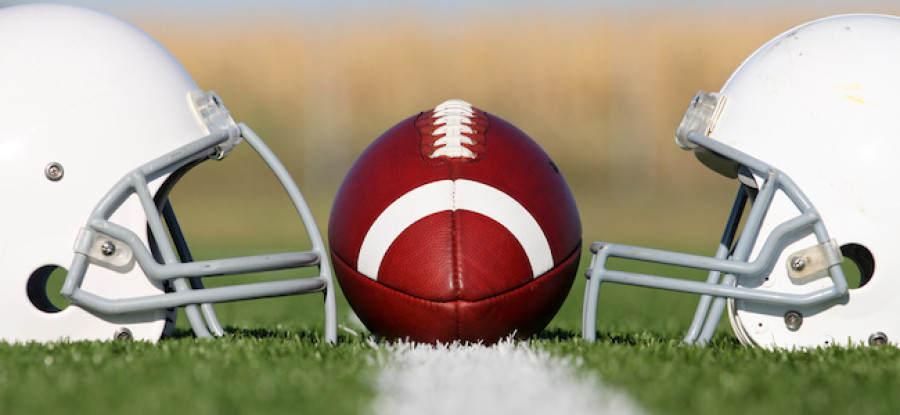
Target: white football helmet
808	125
97	123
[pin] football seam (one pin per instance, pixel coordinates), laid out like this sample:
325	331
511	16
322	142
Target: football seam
458	301
454	248
525	285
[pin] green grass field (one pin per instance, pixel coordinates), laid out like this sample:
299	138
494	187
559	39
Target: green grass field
318	97
273	361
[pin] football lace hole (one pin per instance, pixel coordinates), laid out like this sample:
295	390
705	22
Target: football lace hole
43	288
858	265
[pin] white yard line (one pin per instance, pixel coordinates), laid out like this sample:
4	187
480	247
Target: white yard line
501	379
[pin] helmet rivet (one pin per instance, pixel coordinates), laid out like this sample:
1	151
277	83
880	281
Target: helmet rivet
878	339
54	171
108	248
798	263
793	320
123	334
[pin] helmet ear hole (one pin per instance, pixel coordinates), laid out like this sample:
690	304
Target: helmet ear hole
43	288
858	265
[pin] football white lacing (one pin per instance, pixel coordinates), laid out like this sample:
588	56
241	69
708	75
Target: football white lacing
452	116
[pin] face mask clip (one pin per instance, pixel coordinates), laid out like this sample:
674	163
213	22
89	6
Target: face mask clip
700	117
104	250
214	116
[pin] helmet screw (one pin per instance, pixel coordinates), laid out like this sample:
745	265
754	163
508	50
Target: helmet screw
108	248
54	171
878	339
793	320
798	263
123	334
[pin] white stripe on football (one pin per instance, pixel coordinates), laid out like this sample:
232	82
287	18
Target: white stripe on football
454	195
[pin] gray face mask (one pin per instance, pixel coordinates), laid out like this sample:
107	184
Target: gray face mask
103	243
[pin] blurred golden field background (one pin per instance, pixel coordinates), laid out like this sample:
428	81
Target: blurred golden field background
602	93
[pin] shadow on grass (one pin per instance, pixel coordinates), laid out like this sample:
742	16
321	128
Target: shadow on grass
558	335
257	333
638	338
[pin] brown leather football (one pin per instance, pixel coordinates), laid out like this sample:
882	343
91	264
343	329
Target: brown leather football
454	225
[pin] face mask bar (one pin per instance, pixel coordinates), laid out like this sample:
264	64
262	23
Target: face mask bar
727	265
204	315
104	243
